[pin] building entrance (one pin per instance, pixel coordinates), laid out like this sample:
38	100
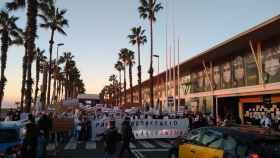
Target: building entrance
228	107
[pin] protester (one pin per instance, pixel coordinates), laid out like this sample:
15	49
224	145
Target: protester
30	139
127	136
278	123
111	137
77	127
45	125
266	121
226	121
8	118
88	129
41	145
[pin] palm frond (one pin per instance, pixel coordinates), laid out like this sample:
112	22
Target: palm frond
158	7
64	22
17	41
45	26
44	18
15	4
60	30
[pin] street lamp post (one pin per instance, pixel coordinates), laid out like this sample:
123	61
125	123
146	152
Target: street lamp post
157	56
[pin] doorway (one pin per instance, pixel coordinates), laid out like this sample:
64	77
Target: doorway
228	106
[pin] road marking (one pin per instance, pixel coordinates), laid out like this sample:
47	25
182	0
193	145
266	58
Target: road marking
163	144
138	154
146	144
131	145
90	145
147	150
71	145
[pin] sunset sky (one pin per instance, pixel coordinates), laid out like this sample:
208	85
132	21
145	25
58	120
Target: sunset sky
99	28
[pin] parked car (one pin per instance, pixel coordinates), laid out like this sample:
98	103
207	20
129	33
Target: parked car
11	138
227	142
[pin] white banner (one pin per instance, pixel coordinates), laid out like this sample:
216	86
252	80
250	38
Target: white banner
146	128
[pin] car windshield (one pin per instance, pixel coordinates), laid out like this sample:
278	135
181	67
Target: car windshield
8	135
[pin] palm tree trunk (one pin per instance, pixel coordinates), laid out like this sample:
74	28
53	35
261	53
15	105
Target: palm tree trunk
139	76
37	79
66	87
44	85
23	83
58	91
4	50
124	85
151	71
130	83
61	91
54	89
120	88
50	67
31	29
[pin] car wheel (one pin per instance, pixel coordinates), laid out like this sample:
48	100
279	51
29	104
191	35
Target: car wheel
173	153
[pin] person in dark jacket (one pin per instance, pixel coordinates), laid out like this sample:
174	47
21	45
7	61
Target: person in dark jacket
44	124
127	136
30	139
111	138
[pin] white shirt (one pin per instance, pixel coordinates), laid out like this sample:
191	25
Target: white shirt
266	122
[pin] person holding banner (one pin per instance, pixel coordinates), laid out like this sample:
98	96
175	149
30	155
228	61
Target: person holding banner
127	136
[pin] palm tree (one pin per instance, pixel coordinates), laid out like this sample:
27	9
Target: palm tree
53	19
114	85
74	76
60	78
119	67
137	37
56	73
40	60
45	66
130	62
30	34
10	34
23	82
148	10
123	57
67	59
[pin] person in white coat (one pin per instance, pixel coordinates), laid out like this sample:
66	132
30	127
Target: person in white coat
266	121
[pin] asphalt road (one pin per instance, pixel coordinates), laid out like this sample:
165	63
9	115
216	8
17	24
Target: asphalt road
89	149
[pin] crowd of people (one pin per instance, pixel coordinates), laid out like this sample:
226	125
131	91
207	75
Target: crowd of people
39	127
82	127
39	131
264	121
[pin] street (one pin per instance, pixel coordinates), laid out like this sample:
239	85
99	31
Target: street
89	149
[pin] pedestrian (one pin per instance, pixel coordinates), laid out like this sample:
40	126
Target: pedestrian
30	139
88	127
44	125
278	123
226	121
8	118
266	121
111	137
77	127
127	136
41	145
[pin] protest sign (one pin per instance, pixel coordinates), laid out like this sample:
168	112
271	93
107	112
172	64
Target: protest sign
146	128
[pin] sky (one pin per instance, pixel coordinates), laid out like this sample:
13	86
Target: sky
99	28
